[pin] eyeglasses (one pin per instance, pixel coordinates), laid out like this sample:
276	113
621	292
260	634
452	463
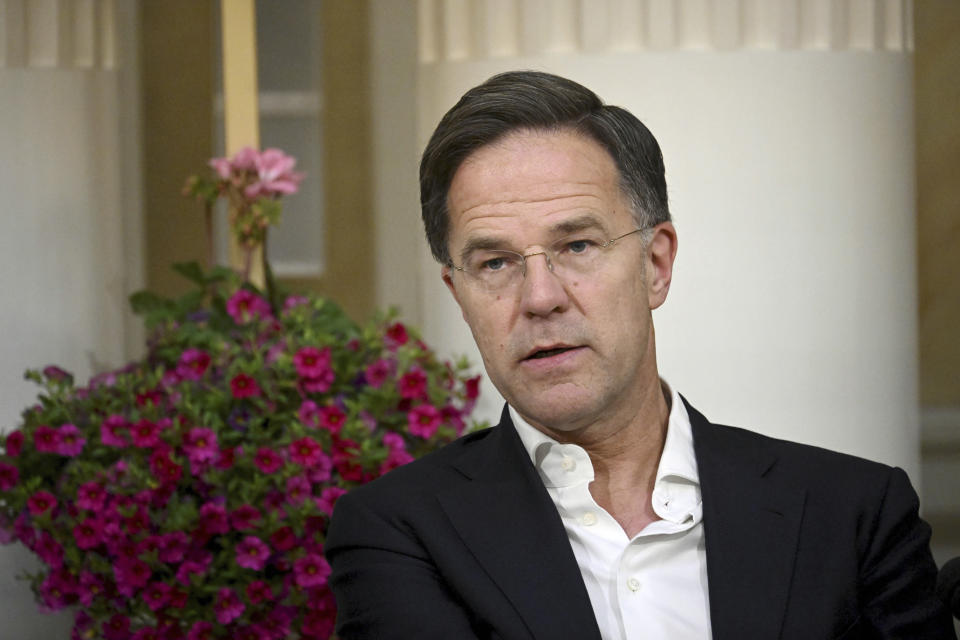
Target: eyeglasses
496	270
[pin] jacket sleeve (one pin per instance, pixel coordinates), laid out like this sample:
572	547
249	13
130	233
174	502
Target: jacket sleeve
898	573
384	582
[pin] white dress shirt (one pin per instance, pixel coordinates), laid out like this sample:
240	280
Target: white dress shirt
652	586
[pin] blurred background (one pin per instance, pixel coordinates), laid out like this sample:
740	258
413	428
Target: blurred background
812	149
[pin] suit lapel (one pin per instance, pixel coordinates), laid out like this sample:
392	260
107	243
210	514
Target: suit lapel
507	520
751	528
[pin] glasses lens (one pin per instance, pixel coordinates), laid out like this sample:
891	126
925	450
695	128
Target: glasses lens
495	269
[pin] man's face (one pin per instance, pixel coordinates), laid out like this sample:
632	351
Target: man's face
565	351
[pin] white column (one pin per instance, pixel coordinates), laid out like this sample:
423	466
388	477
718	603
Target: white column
70	249
787	131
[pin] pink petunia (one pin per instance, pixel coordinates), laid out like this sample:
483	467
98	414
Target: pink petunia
305	451
88	533
413	385
130	574
157	595
259	591
41	502
116	628
9	476
311	362
46	439
200	445
283	539
332	418
90	496
298	489
58	590
49	550
321	469
396	336
145	433
193	364
245	517
201	630
112	431
91	587
396	458
275	175
267	460
328	498
172	546
309	414
244	306
164	468
320	383
244	386
311	570
423	420
377	373
252	553
213	519
71	441
228	606
14	443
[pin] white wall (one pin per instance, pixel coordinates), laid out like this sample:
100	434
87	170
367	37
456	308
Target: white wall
70	246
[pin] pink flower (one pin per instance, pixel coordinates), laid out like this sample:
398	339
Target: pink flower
259	591
112	431
244	306
145	434
198	562
58	590
320	383
283	539
117	628
252	553
396	458
193	364
166	470
377	373
298	489
201	445
14	443
146	633
213	519
41	502
396	336
321	469
90	496
332	418
328	498
245	517
309	414
130	574
171	547
311	362
306	451
423	420
71	442
267	460
49	550
311	570
471	388
46	439
157	595
413	385
394	441
294	301
91	587
228	606
244	386
9	476
88	533
201	630
275	175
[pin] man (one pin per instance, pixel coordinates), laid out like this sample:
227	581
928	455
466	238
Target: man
603	505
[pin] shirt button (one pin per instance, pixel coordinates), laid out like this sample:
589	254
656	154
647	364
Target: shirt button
633	584
568	463
589	519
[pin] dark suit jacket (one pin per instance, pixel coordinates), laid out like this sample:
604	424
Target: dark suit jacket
801	544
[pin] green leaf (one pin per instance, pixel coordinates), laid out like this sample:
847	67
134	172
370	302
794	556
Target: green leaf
192	271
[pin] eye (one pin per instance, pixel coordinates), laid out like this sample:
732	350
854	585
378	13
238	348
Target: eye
579	247
493	264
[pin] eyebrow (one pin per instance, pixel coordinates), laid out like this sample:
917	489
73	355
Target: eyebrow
566	227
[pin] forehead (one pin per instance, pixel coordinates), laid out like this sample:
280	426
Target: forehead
534	179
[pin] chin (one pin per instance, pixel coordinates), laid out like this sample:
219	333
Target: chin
558	410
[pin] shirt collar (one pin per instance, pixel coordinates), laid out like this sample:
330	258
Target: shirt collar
676	493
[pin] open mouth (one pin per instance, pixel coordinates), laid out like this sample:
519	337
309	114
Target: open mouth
546	353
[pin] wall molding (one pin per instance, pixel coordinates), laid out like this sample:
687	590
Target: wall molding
58	34
460	30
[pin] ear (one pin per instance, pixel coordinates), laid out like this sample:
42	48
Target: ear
446	273
661	252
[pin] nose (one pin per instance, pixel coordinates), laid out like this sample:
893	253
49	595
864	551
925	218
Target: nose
542	291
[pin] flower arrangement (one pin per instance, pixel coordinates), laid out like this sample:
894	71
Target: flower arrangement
187	494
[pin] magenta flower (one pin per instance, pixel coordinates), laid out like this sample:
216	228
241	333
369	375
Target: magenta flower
471	388
394	441
283	539
130	574
319	384
49	550
71	441
396	336
90	496
117	628
377	373
41	502
244	386
275	175
298	489
252	553
112	431
88	533
145	434
46	439
259	591
321	470
244	306
413	385
423	420
306	451
157	595
166	470
171	547
293	302
146	633
9	476
311	362
267	460
201	630
311	570
14	443
396	458
200	445
193	364
328	498
245	517
213	519
309	414
58	590
228	606
332	418
91	587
